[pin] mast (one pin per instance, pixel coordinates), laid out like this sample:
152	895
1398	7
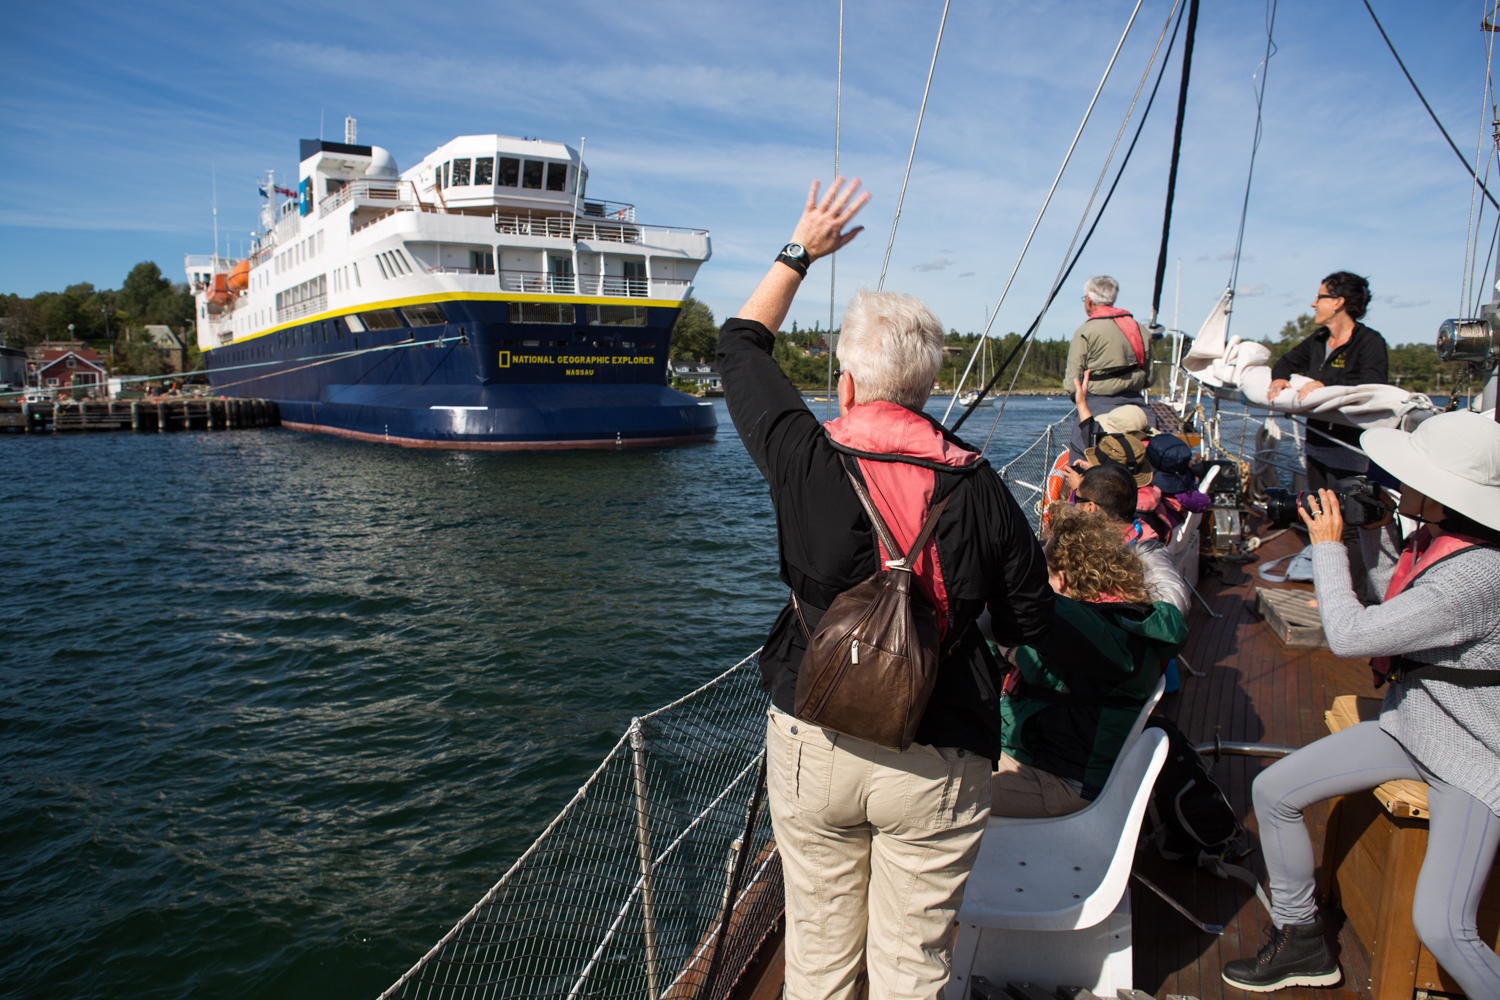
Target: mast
1166	222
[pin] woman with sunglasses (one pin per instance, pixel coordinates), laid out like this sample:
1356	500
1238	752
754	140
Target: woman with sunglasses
1342	351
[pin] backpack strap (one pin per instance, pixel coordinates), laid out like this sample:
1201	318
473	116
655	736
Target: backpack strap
886	538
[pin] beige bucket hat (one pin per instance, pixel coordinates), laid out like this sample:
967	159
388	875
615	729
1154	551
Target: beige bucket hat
1454	458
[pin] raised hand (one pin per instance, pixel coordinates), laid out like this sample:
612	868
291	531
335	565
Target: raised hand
821	228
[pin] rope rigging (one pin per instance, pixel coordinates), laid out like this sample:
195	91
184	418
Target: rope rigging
1260	96
1050	191
915	135
833	258
1471	241
1166	222
1431	113
1068	270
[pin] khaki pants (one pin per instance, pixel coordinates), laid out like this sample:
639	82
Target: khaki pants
876	846
1021	790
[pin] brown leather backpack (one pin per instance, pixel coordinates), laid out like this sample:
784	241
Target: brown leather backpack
872	663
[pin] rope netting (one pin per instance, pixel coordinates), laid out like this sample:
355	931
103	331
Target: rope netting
1027	474
624	894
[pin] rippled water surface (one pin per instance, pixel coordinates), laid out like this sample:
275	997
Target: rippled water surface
276	709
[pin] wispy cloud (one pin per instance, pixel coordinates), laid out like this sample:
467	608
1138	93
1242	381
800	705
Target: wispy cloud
933	265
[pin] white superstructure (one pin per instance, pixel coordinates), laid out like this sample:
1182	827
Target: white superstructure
484	217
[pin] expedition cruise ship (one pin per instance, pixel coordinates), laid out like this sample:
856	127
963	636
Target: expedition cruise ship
481	299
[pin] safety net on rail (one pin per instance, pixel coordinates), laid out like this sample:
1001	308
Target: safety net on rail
625	893
1027	474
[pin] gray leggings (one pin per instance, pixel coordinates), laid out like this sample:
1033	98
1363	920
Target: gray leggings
1462	836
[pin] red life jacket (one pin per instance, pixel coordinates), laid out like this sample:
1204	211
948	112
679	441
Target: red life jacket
1128	326
1408	568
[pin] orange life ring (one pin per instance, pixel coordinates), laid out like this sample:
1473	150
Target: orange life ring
1057	485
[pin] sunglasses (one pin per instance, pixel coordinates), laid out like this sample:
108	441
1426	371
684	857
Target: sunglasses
1078	498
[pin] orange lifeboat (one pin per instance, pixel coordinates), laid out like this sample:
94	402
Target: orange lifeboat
219	295
239	277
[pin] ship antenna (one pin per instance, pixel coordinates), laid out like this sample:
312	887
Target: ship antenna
214	175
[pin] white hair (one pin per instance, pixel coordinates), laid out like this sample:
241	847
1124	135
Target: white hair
892	345
1102	289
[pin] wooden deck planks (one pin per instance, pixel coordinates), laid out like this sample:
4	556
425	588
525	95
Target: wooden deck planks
1260	692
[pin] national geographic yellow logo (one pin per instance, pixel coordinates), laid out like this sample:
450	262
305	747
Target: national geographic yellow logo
504	359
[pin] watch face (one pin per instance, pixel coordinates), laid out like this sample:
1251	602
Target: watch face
795	250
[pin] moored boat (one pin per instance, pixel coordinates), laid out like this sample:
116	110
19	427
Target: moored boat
481	299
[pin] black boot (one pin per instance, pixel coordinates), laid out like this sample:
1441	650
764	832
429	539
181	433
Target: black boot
1296	955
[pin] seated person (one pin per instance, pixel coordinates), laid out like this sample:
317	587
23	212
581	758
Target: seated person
1108	642
1170	459
1128	451
1111	490
1124	420
1435	639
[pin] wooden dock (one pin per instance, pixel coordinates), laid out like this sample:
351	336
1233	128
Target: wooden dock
151	416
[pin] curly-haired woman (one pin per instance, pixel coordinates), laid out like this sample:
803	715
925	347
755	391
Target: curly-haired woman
1071	699
1343	351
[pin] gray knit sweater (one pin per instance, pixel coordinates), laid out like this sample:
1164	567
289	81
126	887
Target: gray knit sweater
1450	616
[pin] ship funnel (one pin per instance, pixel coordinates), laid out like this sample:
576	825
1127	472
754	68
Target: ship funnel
382	164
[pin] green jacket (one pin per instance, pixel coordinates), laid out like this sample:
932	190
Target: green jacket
1073	697
1098	345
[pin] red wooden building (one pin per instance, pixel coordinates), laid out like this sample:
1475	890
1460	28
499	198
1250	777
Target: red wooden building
68	368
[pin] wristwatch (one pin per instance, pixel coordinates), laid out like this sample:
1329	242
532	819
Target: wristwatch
794	256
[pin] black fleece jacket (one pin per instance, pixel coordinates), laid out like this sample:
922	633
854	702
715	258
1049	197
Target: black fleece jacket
1363	360
826	544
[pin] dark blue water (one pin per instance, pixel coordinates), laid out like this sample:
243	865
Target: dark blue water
276	709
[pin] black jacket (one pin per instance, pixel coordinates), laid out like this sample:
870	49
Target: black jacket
1362	360
826	544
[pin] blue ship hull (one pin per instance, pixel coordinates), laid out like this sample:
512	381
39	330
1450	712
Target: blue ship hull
478	381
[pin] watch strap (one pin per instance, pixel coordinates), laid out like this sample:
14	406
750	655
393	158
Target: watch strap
796	264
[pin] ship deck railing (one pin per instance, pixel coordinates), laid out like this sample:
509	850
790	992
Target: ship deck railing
363	190
605	286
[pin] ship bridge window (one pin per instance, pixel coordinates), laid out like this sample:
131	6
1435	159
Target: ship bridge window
423	315
541	312
443	175
531	175
461	172
557	177
382	319
510	172
484	171
617	316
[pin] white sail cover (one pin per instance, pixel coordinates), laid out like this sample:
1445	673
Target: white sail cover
1242	364
1218	363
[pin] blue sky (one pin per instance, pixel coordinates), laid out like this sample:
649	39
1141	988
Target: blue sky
115	117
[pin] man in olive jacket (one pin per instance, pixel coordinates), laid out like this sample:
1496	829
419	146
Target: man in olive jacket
1113	348
876	843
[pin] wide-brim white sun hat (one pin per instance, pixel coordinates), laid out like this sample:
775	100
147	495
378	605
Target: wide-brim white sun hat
1454	458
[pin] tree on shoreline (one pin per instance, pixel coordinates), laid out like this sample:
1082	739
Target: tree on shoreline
145	296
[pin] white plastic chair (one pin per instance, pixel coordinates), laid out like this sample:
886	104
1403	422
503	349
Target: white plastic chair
1183	545
1048	900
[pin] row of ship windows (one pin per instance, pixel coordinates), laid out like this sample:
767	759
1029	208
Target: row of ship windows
513	172
300	251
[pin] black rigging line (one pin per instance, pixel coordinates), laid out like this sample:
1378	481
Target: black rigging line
1000	370
1461	158
1166	222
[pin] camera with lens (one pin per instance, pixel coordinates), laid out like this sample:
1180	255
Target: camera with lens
1360	502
